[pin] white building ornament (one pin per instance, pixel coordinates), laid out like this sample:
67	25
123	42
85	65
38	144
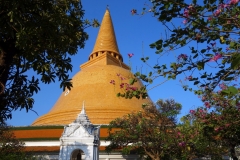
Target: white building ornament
81	136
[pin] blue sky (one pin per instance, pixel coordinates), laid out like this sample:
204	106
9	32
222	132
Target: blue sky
134	34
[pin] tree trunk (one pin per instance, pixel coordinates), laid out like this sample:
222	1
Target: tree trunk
7	52
152	155
233	153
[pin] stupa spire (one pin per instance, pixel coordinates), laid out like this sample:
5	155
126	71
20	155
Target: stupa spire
83	109
106	40
82	117
91	84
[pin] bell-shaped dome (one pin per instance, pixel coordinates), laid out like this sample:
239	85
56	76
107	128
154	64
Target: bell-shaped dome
97	84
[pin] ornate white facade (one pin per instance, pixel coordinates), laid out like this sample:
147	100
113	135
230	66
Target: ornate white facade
78	138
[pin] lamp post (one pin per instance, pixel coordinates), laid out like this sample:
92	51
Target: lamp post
95	149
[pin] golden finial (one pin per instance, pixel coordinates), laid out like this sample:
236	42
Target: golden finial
106	39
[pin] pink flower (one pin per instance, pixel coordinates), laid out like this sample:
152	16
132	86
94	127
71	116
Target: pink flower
233	2
122	78
186	13
190	7
210	18
188	78
223	86
227	125
238	104
133	11
217	12
182	57
184	21
216	57
112	82
217	129
223	5
130	55
213	44
192	111
207	104
133	88
208	48
121	85
182	144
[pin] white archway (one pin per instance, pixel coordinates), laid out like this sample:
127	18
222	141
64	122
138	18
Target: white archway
77	154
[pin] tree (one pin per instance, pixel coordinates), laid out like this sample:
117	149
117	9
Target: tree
148	132
194	141
209	34
11	148
221	122
169	108
154	133
40	36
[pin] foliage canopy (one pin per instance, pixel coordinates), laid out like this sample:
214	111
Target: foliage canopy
209	34
41	36
149	131
11	148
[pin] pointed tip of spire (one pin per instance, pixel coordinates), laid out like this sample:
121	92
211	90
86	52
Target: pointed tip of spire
106	39
82	117
83	109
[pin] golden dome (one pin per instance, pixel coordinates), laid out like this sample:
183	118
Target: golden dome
92	85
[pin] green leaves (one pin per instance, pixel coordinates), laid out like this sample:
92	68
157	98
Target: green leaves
66	83
10	14
200	65
174	66
157	45
132	81
236	62
33	87
230	91
148	131
214	26
196	82
40	36
203	50
211	32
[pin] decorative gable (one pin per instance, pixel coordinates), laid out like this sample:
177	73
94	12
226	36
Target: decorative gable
81	135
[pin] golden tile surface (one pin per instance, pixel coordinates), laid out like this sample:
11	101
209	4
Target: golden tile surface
92	85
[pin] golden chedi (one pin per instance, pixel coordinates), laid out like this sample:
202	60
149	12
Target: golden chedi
96	84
